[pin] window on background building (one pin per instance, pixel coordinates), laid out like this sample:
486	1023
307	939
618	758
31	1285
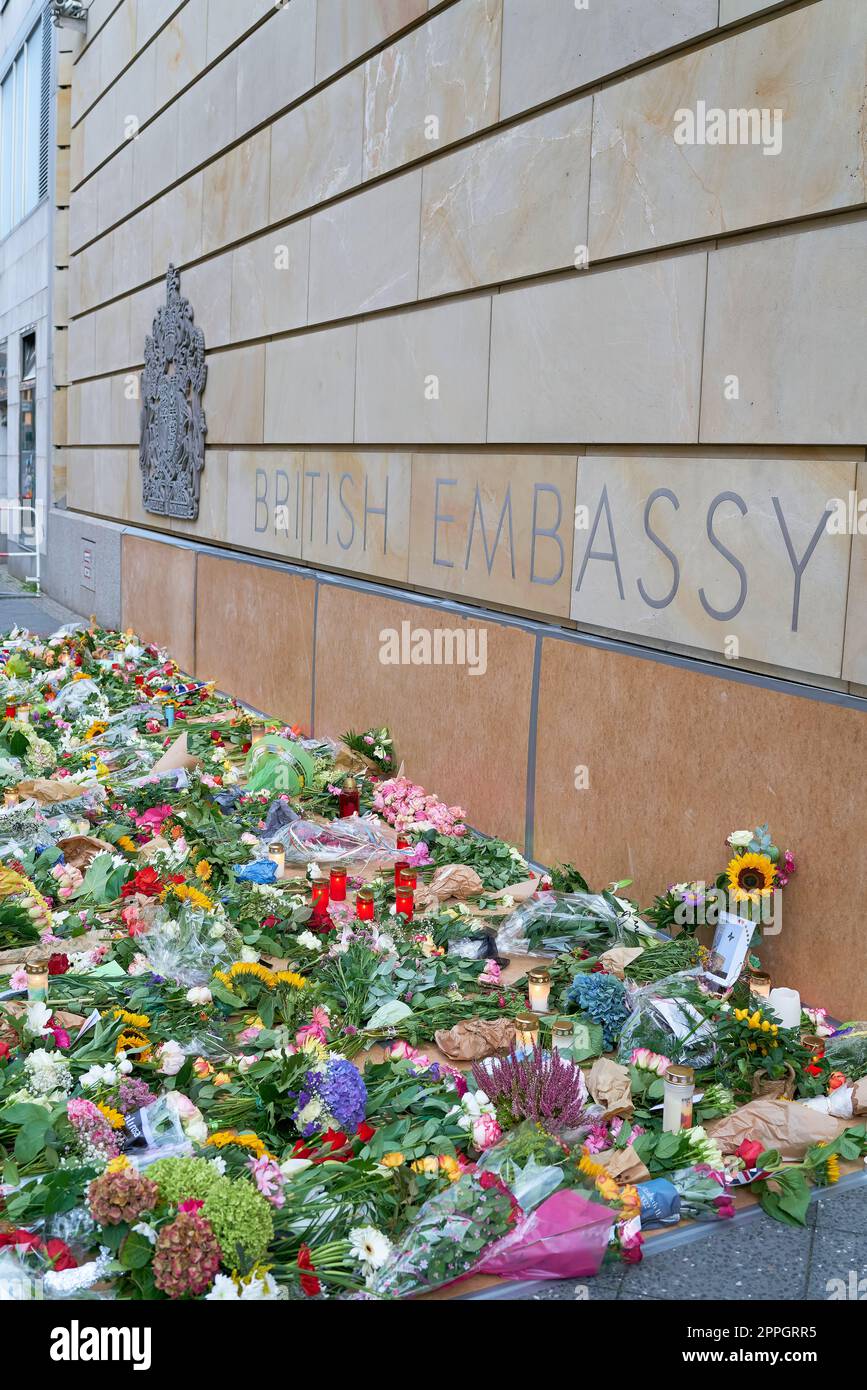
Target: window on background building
27	435
24	130
4	383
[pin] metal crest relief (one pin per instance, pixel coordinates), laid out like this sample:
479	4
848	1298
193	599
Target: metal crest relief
172	449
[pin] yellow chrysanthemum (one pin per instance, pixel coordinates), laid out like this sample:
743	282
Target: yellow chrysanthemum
127	844
114	1117
187	893
750	877
203	870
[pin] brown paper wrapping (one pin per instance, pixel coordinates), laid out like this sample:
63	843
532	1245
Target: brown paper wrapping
476	1038
623	1164
177	755
80	850
50	790
451	882
609	1085
776	1124
615	961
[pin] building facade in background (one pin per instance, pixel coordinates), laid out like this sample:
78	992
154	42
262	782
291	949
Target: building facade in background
518	315
28	136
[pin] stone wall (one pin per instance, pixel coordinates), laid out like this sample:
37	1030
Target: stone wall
479	328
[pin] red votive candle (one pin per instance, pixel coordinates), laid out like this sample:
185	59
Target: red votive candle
404	901
11	711
319	895
400	868
364	905
403	842
338	885
349	799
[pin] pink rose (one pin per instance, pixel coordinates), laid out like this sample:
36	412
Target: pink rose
486	1132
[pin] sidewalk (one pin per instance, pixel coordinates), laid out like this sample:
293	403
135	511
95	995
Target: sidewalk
754	1259
18	605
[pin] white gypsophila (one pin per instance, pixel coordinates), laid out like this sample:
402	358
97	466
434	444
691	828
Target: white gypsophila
307	938
369	1246
48	1073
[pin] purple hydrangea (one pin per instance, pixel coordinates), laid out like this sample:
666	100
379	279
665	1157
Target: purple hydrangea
133	1094
344	1094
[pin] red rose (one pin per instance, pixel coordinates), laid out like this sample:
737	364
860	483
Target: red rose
60	1254
58	964
269	921
365	1132
749	1151
4	1050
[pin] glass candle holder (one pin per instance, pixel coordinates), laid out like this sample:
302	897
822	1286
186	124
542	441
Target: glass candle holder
365	908
562	1034
760	984
348	798
539	984
786	1004
319	895
277	853
405	876
10	711
170	716
404	901
526	1030
678	1089
403	842
37	979
337	885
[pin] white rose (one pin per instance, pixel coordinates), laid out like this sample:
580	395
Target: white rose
199	995
172	1058
739	839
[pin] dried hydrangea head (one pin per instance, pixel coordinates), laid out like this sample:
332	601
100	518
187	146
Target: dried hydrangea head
121	1197
186	1256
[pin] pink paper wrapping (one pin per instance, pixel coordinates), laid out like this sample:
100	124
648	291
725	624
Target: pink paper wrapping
564	1238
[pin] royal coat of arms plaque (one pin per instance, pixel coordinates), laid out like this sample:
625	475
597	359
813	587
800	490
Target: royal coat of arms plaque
172	449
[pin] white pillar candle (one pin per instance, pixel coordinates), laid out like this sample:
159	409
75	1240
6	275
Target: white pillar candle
786	1004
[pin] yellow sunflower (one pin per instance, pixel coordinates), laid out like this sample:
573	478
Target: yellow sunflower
750	877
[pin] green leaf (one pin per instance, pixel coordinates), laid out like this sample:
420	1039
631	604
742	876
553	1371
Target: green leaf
29	1142
136	1251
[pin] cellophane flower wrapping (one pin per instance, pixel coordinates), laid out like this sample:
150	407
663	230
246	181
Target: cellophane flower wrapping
665	1017
448	1237
185	950
564	1238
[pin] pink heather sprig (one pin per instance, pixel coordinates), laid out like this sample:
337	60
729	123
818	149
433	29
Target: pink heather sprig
405	805
538	1086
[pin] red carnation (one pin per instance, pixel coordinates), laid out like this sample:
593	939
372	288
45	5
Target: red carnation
146	881
309	1283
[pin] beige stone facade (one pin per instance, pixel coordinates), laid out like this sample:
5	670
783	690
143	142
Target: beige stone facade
480	328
